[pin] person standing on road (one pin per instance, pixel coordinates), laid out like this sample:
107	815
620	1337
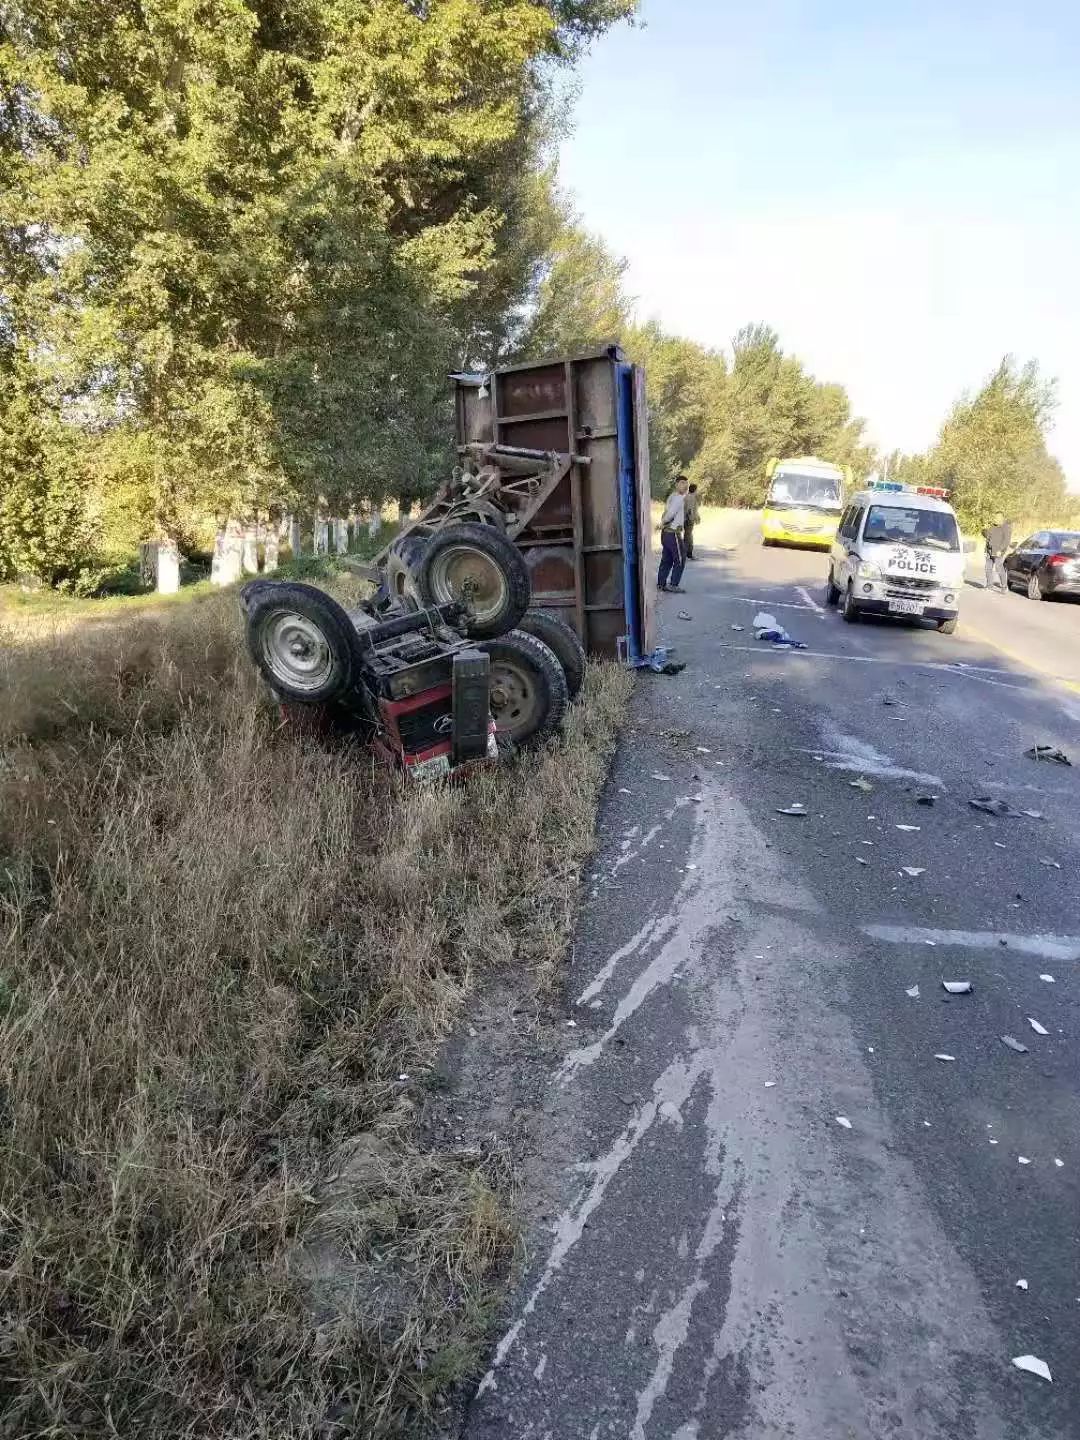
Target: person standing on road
672	555
998	537
691	511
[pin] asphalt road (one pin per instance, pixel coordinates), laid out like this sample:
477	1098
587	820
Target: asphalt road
724	1257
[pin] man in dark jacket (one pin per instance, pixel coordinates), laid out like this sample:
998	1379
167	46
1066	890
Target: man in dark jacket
998	537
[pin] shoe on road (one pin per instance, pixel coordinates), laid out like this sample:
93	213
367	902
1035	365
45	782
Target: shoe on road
675	590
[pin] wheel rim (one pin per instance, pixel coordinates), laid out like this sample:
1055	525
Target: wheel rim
514	697
296	651
467	575
1034	588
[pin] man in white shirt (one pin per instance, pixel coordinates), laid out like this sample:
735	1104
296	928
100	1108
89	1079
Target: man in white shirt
672	554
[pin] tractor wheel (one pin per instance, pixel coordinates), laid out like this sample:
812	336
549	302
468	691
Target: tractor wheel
402	569
528	688
249	590
562	640
302	641
479	568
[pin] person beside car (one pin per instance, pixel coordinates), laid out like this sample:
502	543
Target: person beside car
998	537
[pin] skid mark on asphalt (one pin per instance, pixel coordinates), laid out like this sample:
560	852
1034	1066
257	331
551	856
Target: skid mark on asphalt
755	1321
669	1094
1046	947
652	932
848	752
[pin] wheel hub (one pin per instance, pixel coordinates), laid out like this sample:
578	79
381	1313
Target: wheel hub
464	574
296	651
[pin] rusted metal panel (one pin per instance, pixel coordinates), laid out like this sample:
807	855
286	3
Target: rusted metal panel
574	543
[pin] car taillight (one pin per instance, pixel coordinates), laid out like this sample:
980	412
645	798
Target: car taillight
1060	559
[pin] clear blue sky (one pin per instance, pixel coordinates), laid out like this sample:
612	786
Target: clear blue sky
896	189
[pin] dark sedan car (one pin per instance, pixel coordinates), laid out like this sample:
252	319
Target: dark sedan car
1045	564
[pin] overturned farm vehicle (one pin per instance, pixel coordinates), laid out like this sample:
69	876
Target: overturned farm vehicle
553	457
535	550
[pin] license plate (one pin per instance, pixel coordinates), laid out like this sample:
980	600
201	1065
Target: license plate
430	769
906	607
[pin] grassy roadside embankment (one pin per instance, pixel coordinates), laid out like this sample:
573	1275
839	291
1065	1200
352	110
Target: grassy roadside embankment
228	961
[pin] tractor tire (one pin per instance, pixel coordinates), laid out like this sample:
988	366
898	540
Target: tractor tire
303	642
476	566
528	689
562	640
250	590
402	570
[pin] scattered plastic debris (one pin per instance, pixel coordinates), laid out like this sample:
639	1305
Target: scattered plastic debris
859	860
1053	864
958	987
843	1121
992	806
764	621
861	783
1014	1044
793	810
1048	978
1023	1160
685	615
738	627
571	1024
927	1124
1021	1285
657	776
944	1057
1033	814
1059	1162
1039	1029
1048	752
1034	1366
914	870
909	827
769	1084
913	992
403	1077
993	1142
702	749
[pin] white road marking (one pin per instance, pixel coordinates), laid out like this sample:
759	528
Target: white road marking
770	604
802	590
970	672
1047	947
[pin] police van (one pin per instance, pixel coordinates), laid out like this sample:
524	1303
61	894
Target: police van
898	551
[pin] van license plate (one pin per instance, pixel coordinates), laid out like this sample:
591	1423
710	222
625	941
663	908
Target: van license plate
906	607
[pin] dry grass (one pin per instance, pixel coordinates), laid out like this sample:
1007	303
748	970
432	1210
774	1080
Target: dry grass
220	951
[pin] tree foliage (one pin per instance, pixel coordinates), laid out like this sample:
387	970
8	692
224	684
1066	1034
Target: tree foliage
992	453
245	239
